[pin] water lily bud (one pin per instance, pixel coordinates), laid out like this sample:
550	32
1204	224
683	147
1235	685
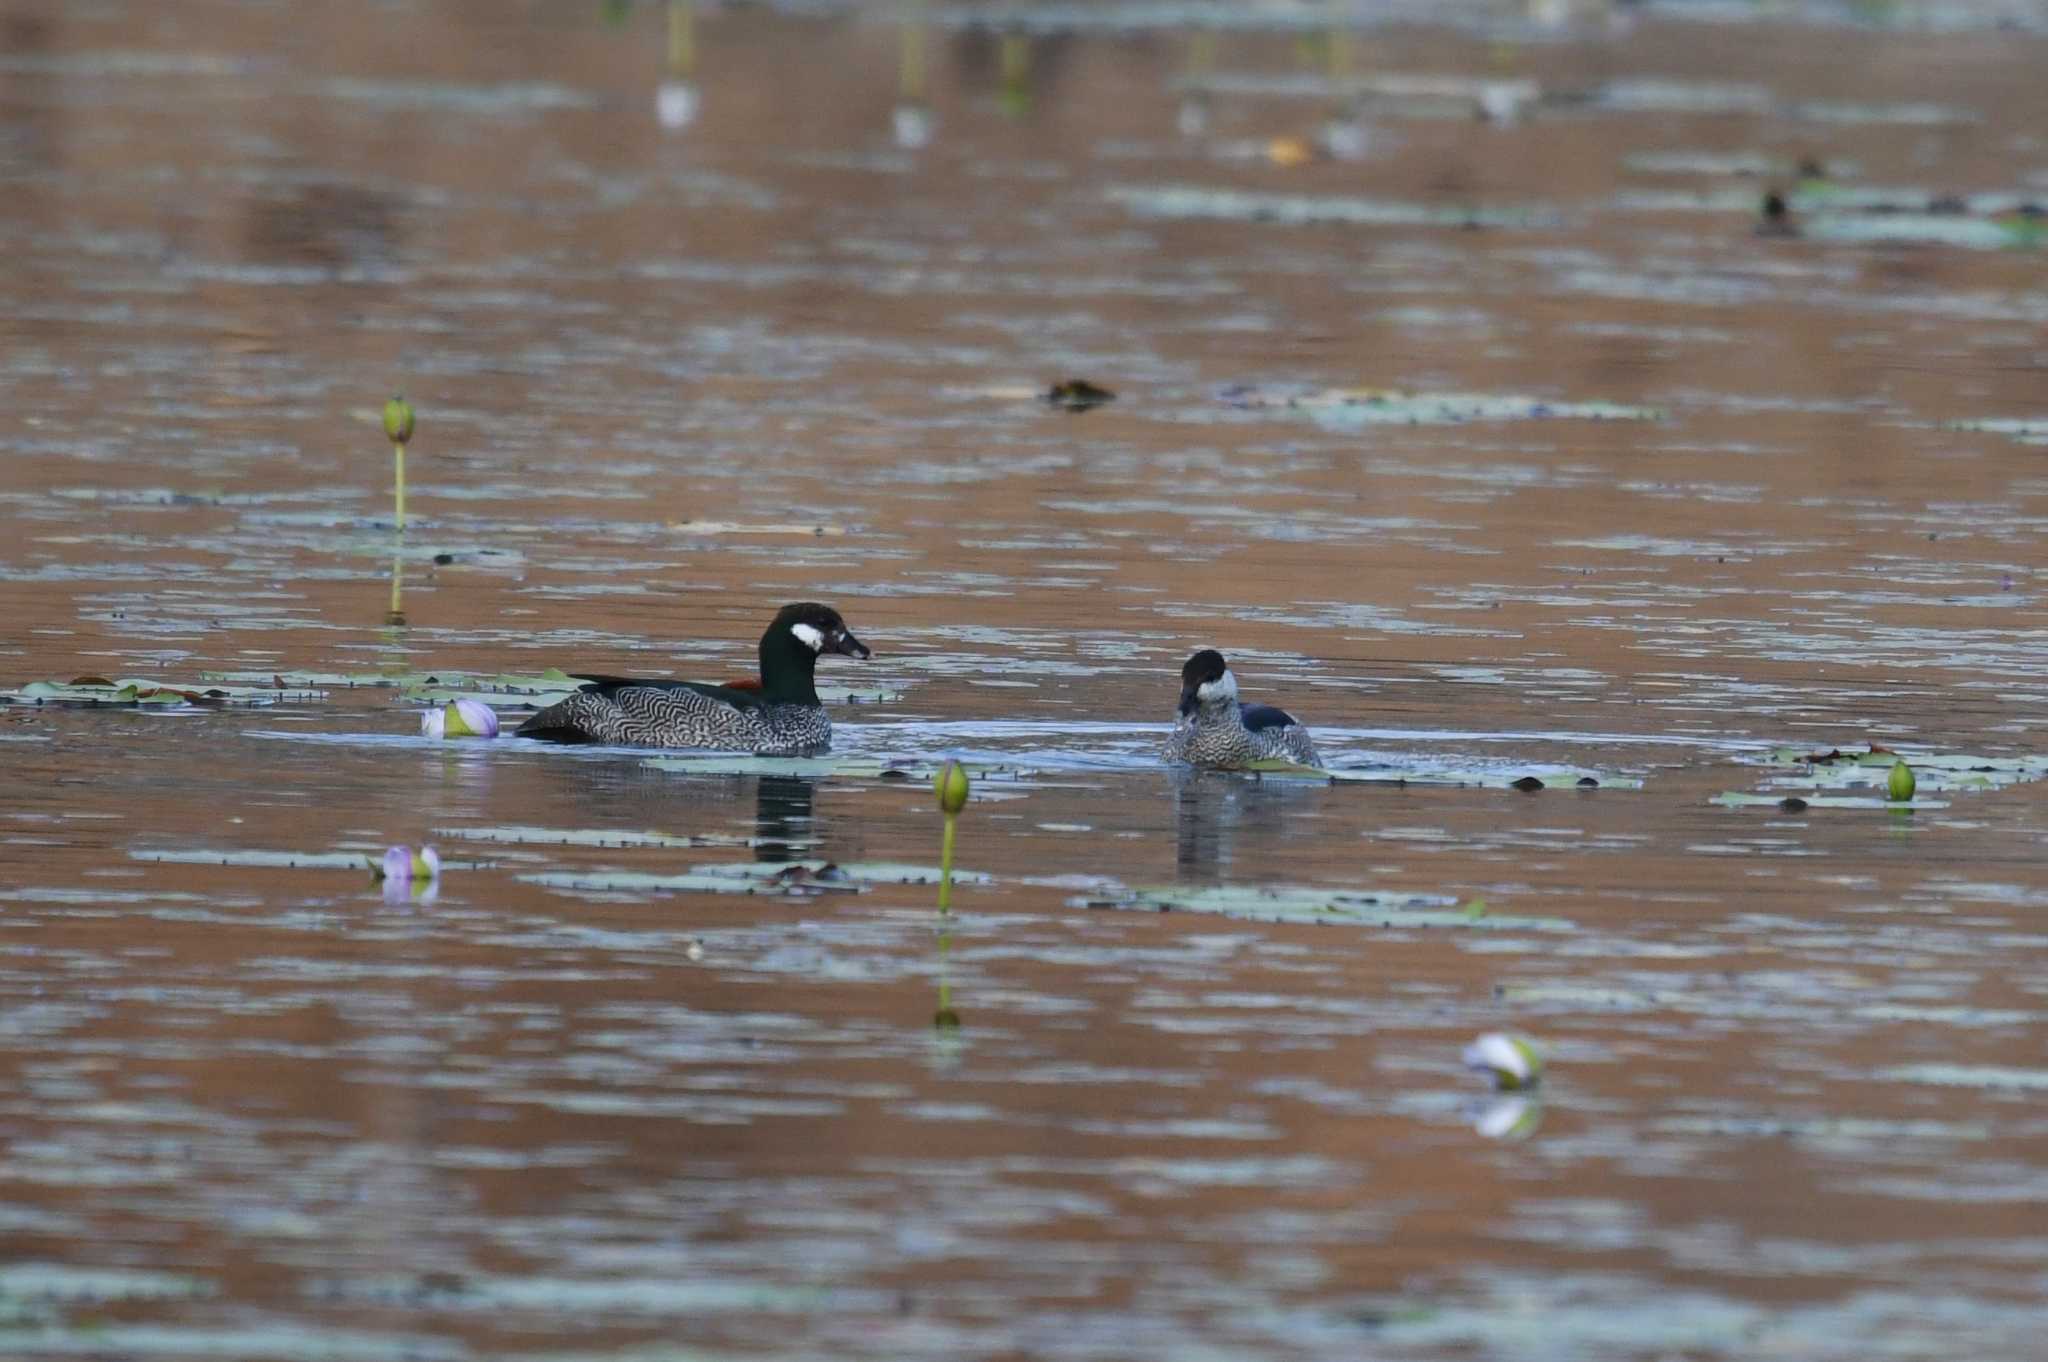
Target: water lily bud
398	421
470	719
434	723
1513	1061
950	785
396	865
426	864
1900	786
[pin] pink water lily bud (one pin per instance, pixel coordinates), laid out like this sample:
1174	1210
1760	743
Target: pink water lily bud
460	719
470	719
396	865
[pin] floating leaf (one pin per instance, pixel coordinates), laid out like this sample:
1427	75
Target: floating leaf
855	872
517	835
92	690
1347	407
1287	903
1799	804
1801	770
1470	777
848	767
272	860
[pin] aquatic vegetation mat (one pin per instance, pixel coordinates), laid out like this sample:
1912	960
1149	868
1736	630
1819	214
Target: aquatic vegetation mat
1344	407
1294	903
768	879
96	690
1527	779
1800	777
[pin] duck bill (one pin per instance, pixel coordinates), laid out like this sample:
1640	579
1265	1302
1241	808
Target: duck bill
843	642
1189	703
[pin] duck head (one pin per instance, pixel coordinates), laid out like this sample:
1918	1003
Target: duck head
799	635
1205	679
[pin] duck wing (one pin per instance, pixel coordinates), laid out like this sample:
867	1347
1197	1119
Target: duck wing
615	710
1257	717
742	695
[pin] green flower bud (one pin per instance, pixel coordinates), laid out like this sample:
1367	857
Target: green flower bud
1899	788
950	785
398	421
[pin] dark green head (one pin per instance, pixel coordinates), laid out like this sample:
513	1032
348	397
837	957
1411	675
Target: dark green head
1205	677
791	648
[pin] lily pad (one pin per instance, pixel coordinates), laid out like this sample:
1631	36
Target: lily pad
1350	407
95	690
847	767
274	860
858	872
1287	903
1526	779
1203	203
515	835
1935	772
1800	803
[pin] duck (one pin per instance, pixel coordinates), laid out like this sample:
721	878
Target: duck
1216	729
777	715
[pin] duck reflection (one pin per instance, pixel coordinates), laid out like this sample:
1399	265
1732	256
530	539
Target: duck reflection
1213	809
912	122
676	100
784	825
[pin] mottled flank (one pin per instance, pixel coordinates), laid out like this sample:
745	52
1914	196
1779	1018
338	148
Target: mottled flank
682	714
1228	735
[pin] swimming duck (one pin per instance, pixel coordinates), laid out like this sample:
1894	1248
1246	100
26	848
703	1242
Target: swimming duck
776	716
1215	729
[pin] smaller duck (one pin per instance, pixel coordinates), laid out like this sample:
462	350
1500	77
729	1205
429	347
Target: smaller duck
777	716
1215	729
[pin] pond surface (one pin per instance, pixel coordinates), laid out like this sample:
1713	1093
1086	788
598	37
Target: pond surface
1458	399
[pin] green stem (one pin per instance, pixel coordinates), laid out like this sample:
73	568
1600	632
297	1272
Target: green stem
398	456
946	867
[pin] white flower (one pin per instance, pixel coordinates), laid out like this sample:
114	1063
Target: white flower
409	874
1513	1061
460	719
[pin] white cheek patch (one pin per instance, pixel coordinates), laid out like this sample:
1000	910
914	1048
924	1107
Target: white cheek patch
809	635
1223	687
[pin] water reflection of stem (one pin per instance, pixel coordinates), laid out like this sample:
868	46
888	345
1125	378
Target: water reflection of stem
911	63
396	614
1014	62
945	1018
682	37
1339	56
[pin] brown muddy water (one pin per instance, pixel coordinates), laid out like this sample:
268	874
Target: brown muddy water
1654	495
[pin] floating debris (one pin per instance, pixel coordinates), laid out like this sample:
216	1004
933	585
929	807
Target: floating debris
1078	394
